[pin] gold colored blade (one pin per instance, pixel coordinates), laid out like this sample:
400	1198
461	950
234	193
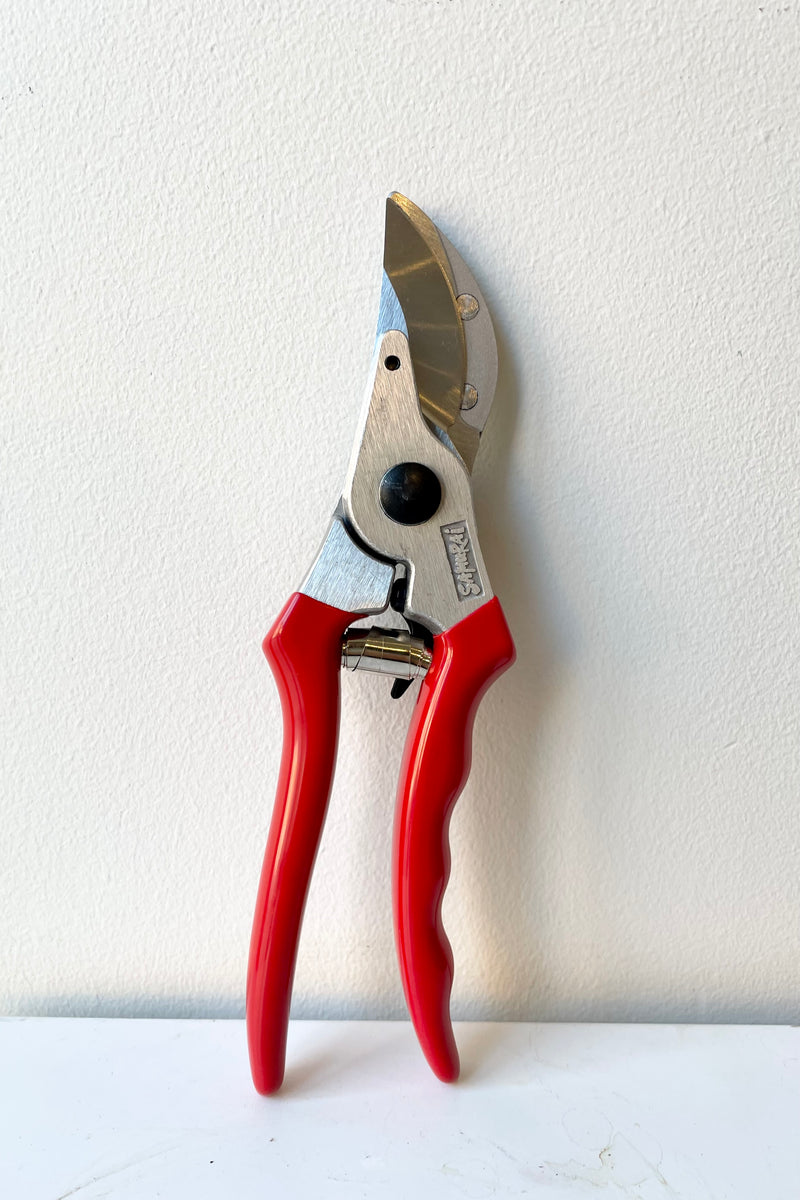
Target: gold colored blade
416	262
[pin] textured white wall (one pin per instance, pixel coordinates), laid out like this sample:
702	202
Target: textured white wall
192	223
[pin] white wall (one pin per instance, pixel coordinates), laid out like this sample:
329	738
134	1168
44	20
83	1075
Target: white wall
192	224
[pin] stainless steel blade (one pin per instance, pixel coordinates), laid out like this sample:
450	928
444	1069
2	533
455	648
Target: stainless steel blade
448	325
390	314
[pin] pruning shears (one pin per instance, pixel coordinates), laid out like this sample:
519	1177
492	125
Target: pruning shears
402	537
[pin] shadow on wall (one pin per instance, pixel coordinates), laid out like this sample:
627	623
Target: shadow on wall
502	814
192	1006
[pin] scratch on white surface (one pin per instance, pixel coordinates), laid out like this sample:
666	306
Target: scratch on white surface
477	1179
128	1166
623	1167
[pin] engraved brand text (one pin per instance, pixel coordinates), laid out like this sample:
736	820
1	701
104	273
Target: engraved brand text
462	560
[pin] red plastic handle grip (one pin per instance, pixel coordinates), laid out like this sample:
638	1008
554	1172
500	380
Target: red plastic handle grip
304	651
436	763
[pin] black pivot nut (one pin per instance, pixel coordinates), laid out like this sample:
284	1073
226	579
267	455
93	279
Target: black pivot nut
410	493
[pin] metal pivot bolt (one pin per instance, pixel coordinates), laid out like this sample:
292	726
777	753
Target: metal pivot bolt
410	493
385	652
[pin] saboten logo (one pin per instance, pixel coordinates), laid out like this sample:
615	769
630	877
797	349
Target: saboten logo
466	575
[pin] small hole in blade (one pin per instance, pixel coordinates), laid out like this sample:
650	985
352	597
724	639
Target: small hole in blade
391	363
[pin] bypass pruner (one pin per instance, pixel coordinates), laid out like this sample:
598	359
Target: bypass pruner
402	537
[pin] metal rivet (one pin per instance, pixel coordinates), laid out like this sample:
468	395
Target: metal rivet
470	398
467	306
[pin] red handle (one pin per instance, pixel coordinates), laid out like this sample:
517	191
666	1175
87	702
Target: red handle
436	763
304	651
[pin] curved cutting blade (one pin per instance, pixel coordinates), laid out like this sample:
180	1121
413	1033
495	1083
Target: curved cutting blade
448	326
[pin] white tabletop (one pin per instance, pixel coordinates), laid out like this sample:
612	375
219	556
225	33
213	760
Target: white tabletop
149	1109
